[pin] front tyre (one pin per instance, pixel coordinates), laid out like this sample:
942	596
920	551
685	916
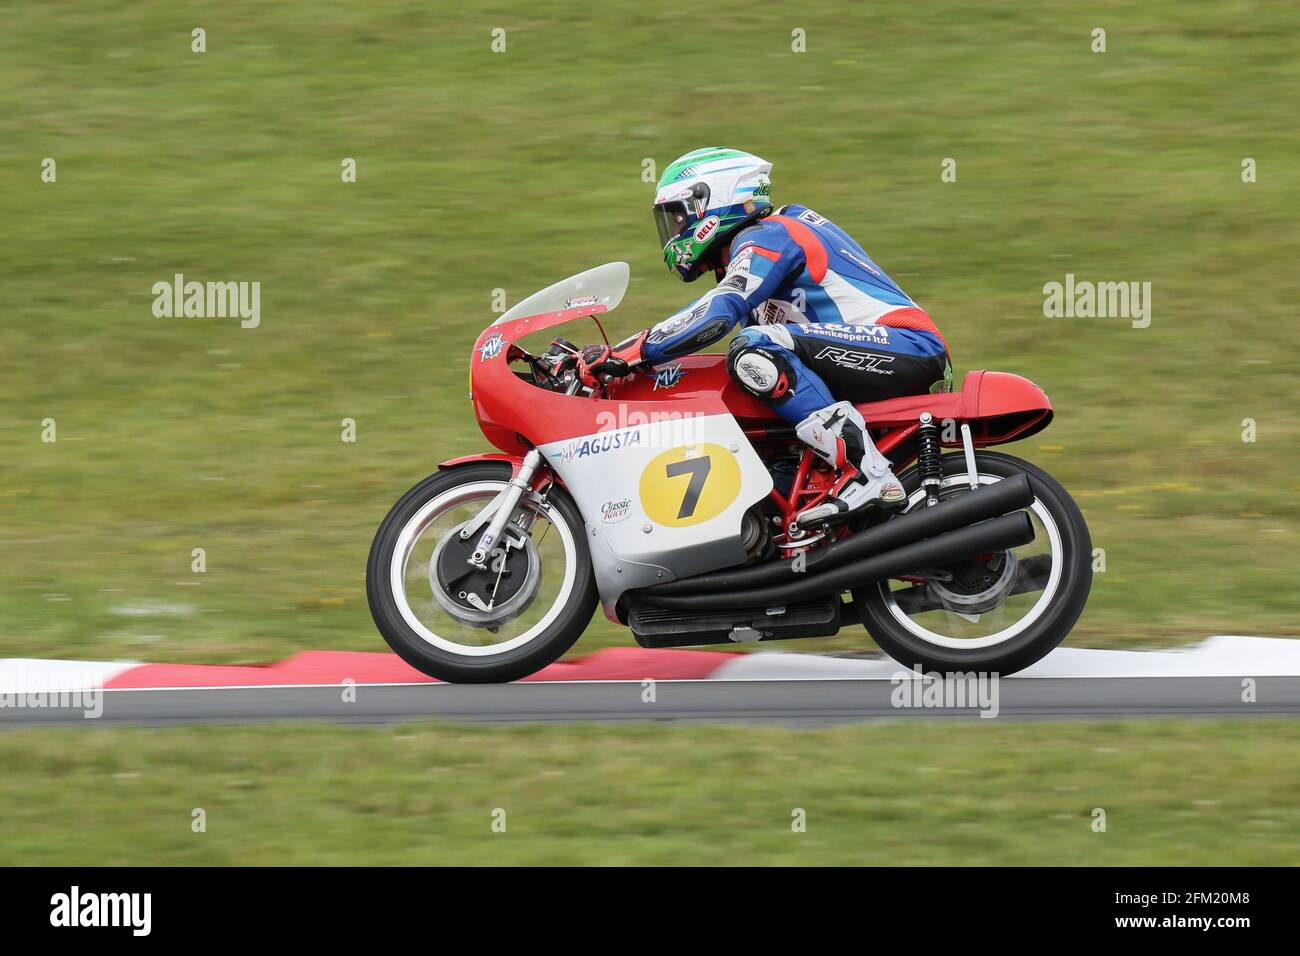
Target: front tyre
995	613
530	605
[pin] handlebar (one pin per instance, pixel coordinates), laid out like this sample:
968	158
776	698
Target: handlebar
556	370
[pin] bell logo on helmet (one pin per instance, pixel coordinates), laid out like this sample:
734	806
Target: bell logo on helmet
705	229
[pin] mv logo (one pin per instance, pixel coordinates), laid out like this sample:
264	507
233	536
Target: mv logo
862	361
668	376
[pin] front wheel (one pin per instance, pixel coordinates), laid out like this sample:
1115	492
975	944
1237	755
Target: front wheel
998	612
524	608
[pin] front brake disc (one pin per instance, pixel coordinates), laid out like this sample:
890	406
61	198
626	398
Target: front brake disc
494	594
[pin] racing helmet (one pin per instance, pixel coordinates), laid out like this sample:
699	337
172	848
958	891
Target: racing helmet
702	199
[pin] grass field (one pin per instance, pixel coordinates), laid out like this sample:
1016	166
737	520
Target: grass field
481	170
906	793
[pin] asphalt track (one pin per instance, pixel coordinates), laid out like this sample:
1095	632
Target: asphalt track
797	702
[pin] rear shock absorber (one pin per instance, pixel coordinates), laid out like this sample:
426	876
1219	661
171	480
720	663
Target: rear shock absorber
928	463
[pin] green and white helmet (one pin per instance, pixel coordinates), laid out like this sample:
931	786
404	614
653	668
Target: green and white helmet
702	198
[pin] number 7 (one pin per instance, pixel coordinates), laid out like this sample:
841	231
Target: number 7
698	469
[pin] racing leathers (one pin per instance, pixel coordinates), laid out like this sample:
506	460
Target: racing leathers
824	327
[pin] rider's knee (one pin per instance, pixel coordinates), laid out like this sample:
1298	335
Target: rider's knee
761	366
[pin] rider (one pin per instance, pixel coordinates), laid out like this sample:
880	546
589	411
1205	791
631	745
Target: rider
821	319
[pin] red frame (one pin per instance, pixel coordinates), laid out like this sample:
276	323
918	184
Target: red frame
516	415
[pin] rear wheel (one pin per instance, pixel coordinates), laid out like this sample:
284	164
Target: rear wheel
999	612
456	622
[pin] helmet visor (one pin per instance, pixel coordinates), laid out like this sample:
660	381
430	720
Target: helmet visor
670	219
674	216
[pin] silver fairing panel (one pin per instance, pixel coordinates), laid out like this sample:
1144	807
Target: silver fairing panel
663	498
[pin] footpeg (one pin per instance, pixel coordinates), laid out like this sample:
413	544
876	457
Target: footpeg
817	514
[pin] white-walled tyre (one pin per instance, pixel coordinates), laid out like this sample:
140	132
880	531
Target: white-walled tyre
459	624
995	613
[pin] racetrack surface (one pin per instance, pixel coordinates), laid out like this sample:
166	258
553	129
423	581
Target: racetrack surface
775	701
780	701
1222	676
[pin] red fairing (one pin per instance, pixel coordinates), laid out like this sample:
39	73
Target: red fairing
508	407
514	460
999	407
515	414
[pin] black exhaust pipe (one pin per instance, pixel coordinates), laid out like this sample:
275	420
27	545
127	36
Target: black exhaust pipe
988	501
996	534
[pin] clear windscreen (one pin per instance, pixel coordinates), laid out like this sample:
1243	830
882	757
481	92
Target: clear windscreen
604	285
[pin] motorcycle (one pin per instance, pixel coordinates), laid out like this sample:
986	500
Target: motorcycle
693	515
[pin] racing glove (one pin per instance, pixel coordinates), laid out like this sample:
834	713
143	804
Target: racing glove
597	363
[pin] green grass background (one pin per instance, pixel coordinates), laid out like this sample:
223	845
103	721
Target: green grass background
896	793
480	170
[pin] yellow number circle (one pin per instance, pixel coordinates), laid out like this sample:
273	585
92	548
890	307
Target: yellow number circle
690	484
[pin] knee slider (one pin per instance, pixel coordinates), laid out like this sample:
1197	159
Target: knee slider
763	372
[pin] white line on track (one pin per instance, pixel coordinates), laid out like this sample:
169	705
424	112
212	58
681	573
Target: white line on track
1222	656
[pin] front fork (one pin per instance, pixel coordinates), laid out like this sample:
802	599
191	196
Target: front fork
497	513
503	505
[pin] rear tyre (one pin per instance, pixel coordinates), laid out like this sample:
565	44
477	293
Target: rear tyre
977	619
547	585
